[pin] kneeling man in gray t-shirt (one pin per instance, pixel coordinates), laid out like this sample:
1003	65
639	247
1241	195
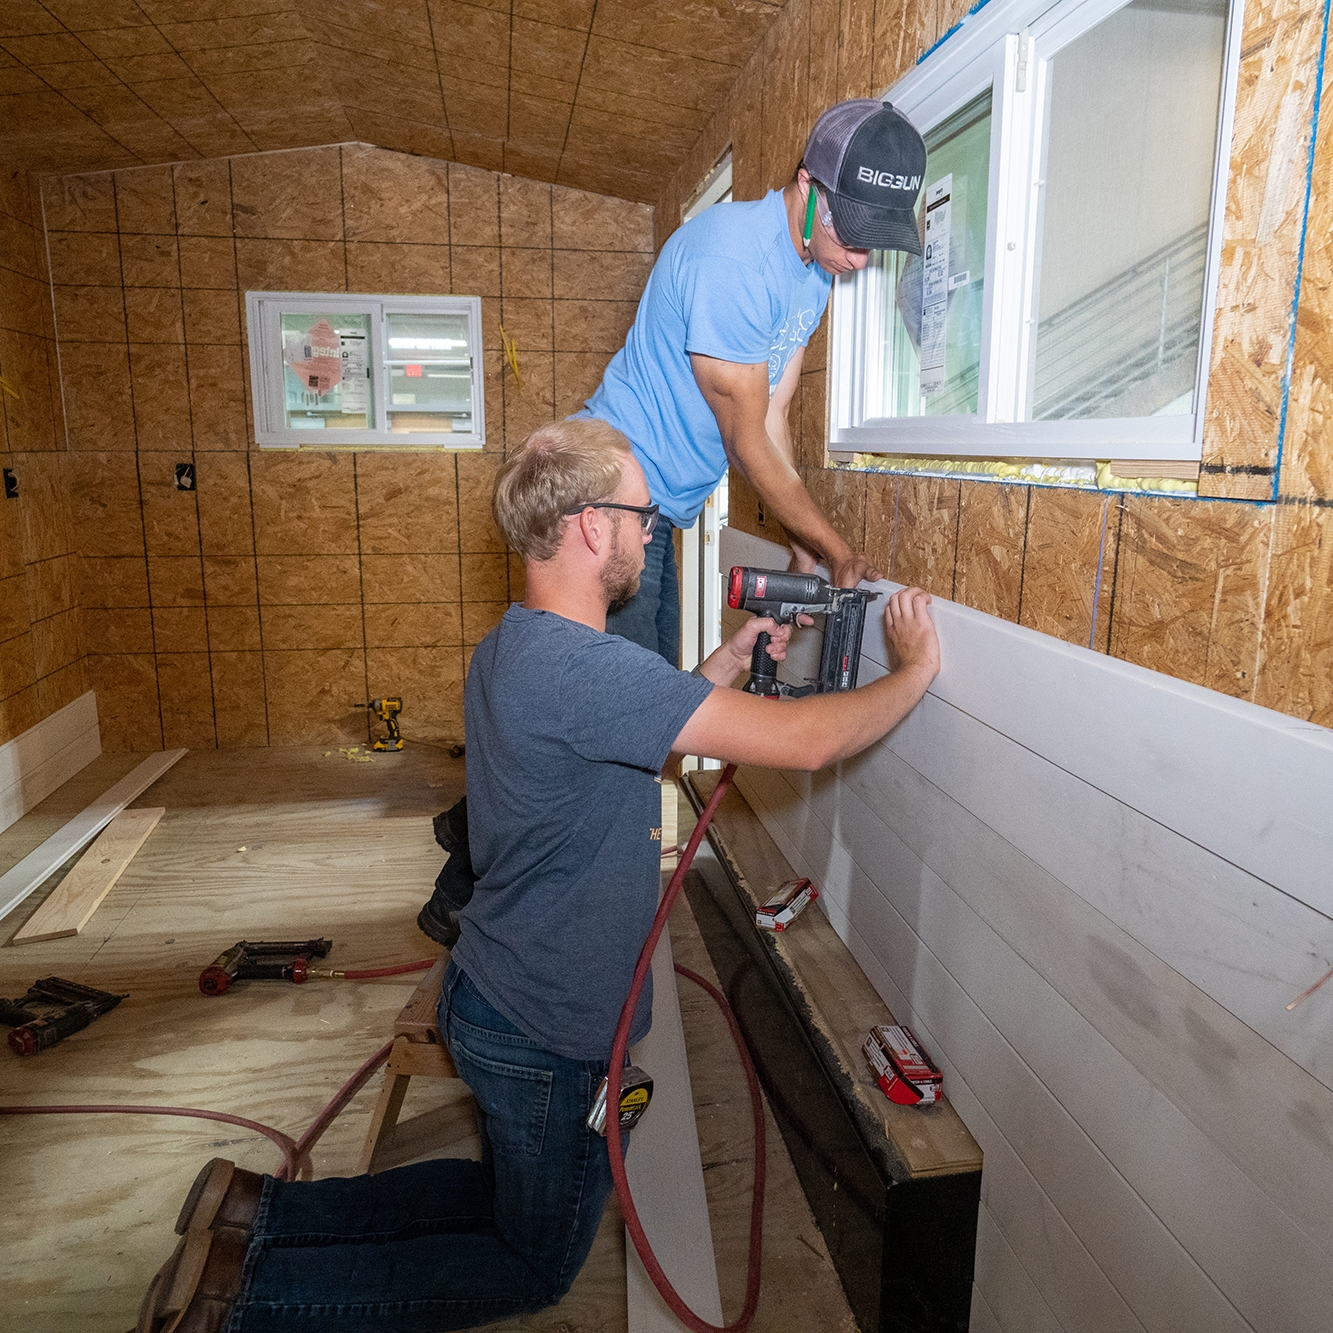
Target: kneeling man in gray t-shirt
568	728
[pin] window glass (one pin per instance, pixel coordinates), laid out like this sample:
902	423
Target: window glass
430	373
1130	135
931	345
326	371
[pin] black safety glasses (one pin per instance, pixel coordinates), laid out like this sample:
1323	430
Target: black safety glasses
647	513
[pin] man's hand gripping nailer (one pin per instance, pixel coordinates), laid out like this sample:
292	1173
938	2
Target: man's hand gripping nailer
783	597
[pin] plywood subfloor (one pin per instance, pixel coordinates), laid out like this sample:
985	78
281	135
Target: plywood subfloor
280	844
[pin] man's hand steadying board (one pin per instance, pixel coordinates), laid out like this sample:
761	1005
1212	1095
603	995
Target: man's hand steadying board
910	631
849	570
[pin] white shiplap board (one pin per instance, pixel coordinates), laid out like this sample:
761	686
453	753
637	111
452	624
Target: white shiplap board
35	763
1093	889
665	1174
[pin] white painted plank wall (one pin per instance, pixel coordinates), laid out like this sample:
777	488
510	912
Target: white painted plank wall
1093	889
35	763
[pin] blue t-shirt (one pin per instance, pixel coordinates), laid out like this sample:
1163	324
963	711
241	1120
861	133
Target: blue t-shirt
567	730
728	284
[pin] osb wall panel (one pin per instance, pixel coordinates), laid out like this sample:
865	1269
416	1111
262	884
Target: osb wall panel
1265	223
1235	596
260	608
41	653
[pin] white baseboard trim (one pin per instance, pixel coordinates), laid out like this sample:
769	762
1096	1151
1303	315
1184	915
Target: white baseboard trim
44	757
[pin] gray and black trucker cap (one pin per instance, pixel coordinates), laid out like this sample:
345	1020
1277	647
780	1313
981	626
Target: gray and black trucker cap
872	162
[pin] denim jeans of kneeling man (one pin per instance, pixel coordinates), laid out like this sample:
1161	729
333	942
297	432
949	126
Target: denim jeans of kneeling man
444	1244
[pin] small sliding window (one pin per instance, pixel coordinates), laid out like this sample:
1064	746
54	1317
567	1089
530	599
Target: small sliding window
399	372
1071	221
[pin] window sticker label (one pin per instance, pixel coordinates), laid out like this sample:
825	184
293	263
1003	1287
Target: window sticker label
355	399
935	283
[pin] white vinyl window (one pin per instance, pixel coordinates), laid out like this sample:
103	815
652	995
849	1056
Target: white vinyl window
386	371
1071	223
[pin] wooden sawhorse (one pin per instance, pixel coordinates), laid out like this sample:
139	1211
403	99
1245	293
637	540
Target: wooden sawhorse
418	1050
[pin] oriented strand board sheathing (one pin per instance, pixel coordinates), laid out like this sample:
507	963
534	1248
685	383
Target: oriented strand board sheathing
1071	539
786	95
747	130
842	497
881	519
1307	454
1296	671
814	420
1265	214
1189	595
823	54
927	534
856	29
213	651
904	31
992	530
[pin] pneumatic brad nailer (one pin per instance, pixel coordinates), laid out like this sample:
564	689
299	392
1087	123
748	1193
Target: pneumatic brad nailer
783	596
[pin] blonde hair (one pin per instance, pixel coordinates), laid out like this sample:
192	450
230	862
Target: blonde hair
561	466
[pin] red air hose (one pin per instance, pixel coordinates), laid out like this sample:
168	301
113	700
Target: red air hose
620	1045
364	973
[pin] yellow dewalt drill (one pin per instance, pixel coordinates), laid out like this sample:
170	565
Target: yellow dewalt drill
387	711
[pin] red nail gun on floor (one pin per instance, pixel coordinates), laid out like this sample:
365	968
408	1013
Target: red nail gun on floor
259	960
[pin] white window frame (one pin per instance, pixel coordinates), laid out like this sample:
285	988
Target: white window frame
1007	46
263	312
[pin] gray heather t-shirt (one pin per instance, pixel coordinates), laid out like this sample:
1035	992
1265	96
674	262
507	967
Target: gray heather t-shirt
567	729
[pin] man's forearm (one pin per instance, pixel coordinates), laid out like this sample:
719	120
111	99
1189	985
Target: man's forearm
785	496
808	733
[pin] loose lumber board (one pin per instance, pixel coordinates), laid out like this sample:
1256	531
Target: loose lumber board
17	883
665	1172
80	893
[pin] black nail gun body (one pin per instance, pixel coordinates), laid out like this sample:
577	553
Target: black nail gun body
783	596
52	1010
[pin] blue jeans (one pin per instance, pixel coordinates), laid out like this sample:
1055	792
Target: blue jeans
444	1244
652	619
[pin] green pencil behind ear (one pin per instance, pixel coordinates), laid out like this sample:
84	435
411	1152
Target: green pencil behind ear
810	214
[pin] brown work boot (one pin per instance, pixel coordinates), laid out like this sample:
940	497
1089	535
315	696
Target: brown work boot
223	1195
194	1290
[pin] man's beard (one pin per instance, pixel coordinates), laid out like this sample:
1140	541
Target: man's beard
620	579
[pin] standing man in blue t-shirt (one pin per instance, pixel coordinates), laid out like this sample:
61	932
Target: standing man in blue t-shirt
709	368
